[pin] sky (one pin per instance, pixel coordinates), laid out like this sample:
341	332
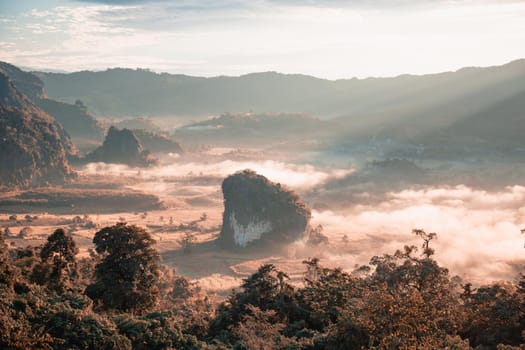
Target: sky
325	38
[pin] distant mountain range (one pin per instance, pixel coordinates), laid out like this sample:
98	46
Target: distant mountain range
455	114
452	113
126	92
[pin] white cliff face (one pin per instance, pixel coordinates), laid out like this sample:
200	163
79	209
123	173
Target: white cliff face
242	235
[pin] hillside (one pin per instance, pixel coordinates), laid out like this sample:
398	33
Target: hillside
33	146
120	147
253	129
73	117
157	142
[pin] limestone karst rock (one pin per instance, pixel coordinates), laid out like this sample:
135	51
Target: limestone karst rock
33	146
257	211
121	147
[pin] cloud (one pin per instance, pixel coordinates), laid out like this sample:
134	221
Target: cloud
478	231
120	2
333	39
299	177
478	239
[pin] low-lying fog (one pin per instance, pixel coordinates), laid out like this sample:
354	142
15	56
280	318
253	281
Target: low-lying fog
297	176
478	231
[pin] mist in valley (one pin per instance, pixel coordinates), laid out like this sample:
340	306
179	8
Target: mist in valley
478	230
266	175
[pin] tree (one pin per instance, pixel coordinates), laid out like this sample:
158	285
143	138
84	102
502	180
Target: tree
156	330
187	242
126	278
407	302
326	293
60	247
60	251
422	297
426	237
261	330
494	314
265	289
24	232
6	270
315	236
80	105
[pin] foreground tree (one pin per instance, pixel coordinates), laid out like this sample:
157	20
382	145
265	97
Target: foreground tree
59	255
408	302
261	330
6	271
126	277
494	315
266	289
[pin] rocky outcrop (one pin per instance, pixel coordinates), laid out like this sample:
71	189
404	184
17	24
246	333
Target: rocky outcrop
257	211
121	147
33	146
73	117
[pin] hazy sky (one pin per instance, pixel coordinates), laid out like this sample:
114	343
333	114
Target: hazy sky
325	38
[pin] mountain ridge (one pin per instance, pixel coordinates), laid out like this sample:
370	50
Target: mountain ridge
149	70
125	92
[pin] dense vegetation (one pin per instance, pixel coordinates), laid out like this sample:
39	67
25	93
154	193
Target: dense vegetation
122	297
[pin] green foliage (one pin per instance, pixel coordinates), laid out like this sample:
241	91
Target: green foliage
79	329
261	330
58	269
6	270
494	314
187	242
401	301
325	293
156	330
315	236
60	247
126	278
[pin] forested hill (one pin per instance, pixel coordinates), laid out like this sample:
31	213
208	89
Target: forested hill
123	92
75	118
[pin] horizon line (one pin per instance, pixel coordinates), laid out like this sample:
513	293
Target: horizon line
159	72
